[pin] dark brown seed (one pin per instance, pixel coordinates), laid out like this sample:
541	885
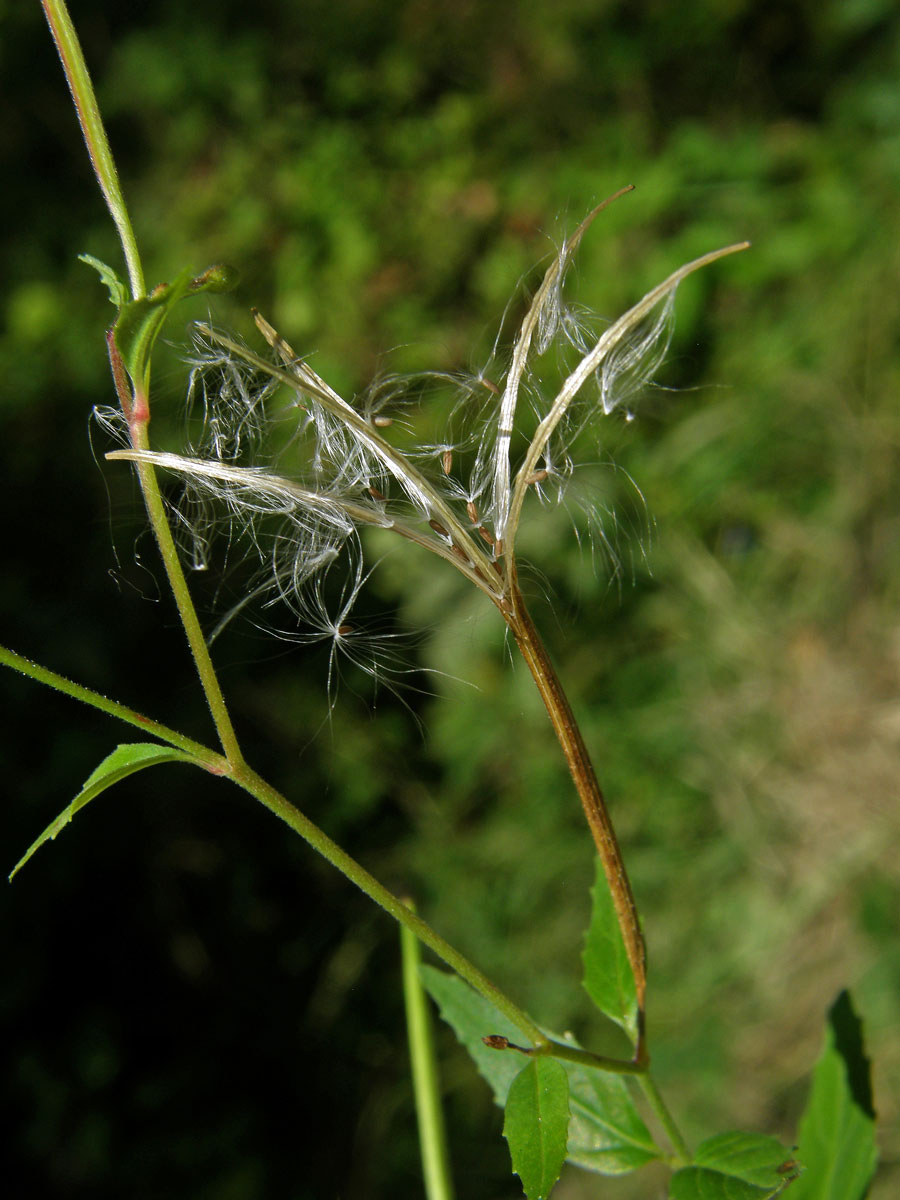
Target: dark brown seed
438	528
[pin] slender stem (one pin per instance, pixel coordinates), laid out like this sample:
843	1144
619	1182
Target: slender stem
574	1054
656	1102
271	799
566	728
214	762
95	138
186	610
426	1084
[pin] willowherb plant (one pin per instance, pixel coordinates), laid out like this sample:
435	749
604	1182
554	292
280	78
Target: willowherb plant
463	500
356	477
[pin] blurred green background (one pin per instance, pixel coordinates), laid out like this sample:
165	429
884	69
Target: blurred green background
195	1006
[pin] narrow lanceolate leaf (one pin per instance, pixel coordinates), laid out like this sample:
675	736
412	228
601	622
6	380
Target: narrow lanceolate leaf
837	1130
735	1166
123	761
608	978
606	1132
536	1124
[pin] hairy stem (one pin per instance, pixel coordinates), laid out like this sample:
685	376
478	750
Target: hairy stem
582	771
271	799
206	757
95	139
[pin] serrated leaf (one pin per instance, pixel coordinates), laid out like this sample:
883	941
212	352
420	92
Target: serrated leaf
606	1132
608	978
123	761
837	1129
140	321
535	1124
118	292
735	1166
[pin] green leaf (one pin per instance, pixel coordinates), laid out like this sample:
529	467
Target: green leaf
118	292
606	1132
608	978
535	1125
735	1166
837	1129
140	321
123	761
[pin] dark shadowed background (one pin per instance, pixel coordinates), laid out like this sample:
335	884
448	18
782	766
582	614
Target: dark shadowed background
193	1004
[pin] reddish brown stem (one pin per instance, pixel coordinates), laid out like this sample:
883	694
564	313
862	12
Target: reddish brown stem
566	728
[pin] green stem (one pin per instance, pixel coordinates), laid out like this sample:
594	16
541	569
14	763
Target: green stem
271	799
214	762
188	614
426	1085
656	1102
95	138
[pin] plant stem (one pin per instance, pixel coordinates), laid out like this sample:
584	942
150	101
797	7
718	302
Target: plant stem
95	138
186	611
213	762
582	771
426	1085
271	799
656	1102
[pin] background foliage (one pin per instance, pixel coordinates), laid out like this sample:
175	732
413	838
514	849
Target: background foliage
200	1008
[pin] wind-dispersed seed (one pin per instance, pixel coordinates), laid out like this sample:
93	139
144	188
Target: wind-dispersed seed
536	477
472	511
487	535
382	422
487	383
376	495
447	461
438	528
